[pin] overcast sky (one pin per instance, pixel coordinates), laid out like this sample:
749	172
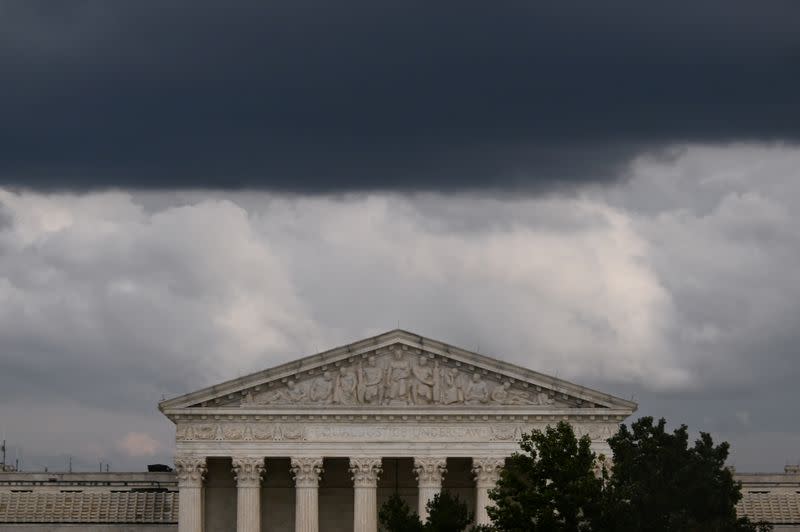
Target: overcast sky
602	192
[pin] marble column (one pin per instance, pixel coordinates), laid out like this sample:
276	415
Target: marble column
306	473
487	471
429	473
365	473
248	471
190	471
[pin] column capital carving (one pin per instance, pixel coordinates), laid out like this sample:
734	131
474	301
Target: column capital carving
248	471
429	470
306	472
190	470
365	471
486	469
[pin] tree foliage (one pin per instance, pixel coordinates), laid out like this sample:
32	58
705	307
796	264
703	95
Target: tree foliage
446	513
396	516
659	484
550	486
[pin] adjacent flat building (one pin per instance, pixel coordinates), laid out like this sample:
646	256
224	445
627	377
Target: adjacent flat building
320	443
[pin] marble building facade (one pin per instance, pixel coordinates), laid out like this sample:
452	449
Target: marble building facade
320	443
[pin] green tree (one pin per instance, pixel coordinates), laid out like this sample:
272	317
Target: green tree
660	483
550	486
446	513
396	516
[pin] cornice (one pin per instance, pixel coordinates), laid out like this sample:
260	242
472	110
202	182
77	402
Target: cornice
399	416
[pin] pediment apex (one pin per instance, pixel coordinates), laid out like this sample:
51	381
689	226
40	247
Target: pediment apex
395	369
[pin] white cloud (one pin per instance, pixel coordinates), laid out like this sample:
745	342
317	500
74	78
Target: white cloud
685	277
139	444
215	286
95	280
728	255
574	297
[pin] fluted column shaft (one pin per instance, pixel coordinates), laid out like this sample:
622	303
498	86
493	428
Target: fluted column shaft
248	473
365	473
306	480
429	473
486	470
190	471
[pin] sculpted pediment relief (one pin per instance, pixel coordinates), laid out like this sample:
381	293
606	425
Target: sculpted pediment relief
396	376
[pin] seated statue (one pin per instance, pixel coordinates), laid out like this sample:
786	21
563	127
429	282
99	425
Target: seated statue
476	391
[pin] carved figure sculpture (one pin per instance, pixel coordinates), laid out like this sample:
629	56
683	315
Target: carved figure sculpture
370	382
345	392
398	380
424	386
542	398
397	376
274	396
476	391
321	388
504	395
293	393
296	392
450	392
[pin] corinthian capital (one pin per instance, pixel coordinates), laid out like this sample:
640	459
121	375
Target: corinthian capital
190	470
306	472
248	471
486	470
365	471
429	471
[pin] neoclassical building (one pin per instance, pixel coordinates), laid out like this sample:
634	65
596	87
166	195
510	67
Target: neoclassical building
320	443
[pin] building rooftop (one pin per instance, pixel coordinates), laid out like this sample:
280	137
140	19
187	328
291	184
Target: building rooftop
82	507
771	497
153	497
777	508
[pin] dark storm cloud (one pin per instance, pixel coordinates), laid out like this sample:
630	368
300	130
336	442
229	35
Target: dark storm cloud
326	96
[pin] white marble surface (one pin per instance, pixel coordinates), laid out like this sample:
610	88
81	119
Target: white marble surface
395	395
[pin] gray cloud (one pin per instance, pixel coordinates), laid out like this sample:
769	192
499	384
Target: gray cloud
679	286
320	97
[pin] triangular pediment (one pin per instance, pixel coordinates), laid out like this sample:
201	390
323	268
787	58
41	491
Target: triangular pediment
396	370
